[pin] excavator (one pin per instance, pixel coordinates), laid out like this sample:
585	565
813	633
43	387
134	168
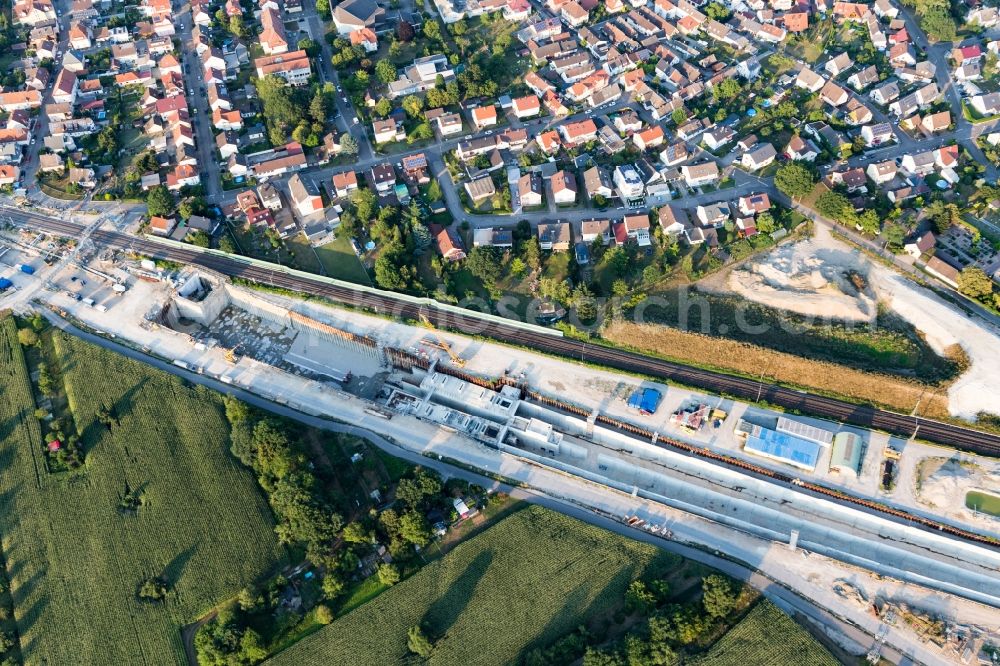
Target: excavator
440	344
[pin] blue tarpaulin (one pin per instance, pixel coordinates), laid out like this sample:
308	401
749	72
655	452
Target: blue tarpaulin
646	400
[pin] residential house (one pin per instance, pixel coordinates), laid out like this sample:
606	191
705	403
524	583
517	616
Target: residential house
839	64
673	220
591	230
754	203
801	149
629	182
882	172
636	228
809	80
577	133
305	196
936	122
714	214
480	189
526	107
696	175
920	245
918	164
529	190
758	158
484	116
885	94
597	182
863	78
717	137
554	236
449	244
833	94
351	15
984	105
650	138
162	226
564	188
344	183
383	176
876	135
388	130
293	67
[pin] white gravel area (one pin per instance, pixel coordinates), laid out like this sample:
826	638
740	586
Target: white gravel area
809	277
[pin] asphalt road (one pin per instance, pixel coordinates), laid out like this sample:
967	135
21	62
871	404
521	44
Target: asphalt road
388	303
787	599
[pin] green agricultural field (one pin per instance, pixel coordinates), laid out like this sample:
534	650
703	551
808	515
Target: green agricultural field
766	637
523	583
75	558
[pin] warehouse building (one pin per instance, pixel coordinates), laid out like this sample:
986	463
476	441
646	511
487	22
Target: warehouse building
804	431
781	446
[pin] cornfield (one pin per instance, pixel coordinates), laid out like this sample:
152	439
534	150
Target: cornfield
766	637
523	583
75	559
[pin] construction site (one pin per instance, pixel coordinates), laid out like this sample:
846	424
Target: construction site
788	494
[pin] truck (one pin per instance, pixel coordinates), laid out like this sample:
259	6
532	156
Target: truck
88	301
26	269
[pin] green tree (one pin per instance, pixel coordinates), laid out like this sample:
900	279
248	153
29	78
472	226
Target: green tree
27	337
834	205
238	27
414	529
585	303
310	46
718	595
974	283
349	145
413	106
894	235
383	107
388	574
727	90
717	11
794	180
252	650
939	25
317	107
160	201
484	263
432	30
385	71
355	532
765	223
679	116
434	191
639	598
943	216
417	641
533	253
517	267
323	614
333	586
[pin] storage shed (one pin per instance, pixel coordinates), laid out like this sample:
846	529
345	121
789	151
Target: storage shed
846	453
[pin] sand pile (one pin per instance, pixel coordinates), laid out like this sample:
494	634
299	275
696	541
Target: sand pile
809	278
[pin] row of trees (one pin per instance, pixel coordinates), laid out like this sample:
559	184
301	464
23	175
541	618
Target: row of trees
660	627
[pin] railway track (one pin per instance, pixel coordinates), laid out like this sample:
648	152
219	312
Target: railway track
866	416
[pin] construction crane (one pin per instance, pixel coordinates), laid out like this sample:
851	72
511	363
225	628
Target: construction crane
231	355
440	344
443	345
